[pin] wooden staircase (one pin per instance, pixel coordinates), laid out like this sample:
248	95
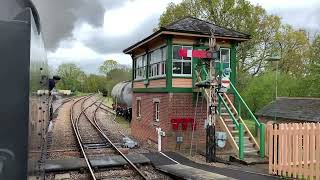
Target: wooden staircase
251	146
242	140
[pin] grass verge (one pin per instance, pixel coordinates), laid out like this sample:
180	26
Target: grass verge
77	93
122	122
108	101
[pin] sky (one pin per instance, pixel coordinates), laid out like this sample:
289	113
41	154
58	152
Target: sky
87	32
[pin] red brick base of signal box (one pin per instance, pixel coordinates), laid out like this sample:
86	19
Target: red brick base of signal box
177	114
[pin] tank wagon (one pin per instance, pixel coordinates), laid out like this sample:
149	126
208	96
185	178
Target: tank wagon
122	99
24	113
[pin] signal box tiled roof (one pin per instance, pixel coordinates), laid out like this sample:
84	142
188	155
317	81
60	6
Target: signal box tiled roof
302	109
194	25
191	25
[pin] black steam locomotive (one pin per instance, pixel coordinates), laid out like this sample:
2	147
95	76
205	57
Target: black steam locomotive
23	71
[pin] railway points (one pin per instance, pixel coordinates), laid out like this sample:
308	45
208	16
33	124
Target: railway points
95	153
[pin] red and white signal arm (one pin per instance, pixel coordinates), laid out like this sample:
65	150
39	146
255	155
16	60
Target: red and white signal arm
225	82
194	53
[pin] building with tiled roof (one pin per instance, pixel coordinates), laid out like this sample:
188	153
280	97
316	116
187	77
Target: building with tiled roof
164	92
291	109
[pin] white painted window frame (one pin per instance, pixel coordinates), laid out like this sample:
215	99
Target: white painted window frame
229	56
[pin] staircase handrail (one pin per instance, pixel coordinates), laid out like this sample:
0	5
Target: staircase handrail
229	111
241	121
239	127
261	126
245	105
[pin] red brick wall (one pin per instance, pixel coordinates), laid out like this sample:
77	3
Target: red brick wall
144	127
172	105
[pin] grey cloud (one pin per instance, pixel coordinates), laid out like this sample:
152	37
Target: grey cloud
59	17
105	45
90	66
305	17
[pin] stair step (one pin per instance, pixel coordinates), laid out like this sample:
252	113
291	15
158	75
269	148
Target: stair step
227	114
234	131
248	144
231	125
224	110
250	151
224	114
227	120
246	139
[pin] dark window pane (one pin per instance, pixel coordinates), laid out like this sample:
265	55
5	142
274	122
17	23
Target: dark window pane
176	52
155	56
225	55
157	69
176	67
163	68
139	62
145	60
144	72
187	68
164	53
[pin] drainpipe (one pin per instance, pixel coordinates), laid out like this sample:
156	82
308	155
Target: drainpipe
160	134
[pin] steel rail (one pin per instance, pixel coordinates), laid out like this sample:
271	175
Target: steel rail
108	110
97	126
77	134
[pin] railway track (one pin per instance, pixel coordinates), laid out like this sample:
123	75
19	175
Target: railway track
106	108
95	137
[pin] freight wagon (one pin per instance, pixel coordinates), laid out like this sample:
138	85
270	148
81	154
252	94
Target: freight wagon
122	99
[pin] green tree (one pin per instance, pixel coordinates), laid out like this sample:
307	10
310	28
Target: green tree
261	89
239	15
95	83
313	78
107	66
71	76
294	50
120	74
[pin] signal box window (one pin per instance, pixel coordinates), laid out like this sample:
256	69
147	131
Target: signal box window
158	59
157	111
140	65
225	57
181	66
138	108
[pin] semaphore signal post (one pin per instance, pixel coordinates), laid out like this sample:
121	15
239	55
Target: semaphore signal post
211	84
